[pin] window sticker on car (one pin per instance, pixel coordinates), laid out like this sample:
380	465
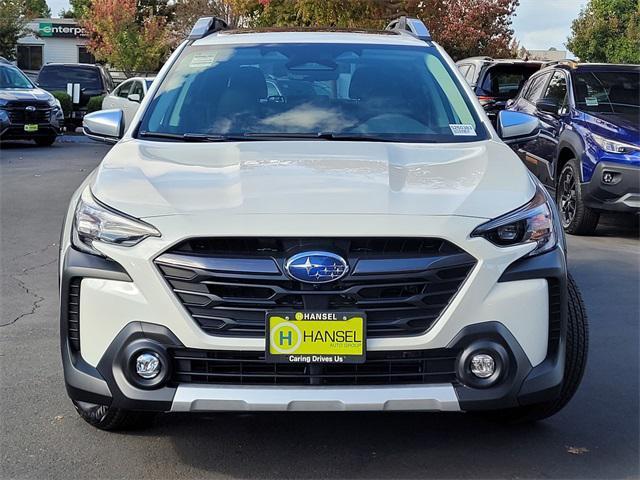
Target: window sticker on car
202	60
591	101
461	129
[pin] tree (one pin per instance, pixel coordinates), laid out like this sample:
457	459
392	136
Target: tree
463	27
117	38
37	9
13	22
607	31
187	13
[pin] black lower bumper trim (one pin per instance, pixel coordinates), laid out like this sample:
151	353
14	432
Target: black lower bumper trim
622	195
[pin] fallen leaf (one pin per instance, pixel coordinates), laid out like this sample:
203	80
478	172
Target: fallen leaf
577	450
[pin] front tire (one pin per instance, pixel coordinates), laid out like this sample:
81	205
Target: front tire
576	217
105	417
575	362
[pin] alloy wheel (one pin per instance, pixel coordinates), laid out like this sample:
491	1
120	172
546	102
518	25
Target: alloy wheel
568	196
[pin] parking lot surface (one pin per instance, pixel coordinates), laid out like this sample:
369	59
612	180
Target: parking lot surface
595	436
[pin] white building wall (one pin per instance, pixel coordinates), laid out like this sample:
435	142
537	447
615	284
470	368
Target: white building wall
56	50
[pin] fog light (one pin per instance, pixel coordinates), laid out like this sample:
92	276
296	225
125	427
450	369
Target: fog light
607	177
148	365
482	365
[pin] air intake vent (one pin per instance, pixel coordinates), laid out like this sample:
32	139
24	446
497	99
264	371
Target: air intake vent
73	314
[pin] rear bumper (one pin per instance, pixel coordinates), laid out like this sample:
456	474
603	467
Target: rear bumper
621	195
520	383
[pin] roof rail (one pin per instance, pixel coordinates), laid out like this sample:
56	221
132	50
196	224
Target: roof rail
412	26
206	26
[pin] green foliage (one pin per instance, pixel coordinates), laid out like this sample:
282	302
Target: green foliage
65	102
79	8
12	25
607	31
95	104
37	9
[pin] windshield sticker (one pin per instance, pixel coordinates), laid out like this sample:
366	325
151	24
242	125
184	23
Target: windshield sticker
591	101
461	129
202	60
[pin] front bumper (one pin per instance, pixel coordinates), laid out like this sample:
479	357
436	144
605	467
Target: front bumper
621	195
108	381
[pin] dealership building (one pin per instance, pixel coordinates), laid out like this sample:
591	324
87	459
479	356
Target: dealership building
53	40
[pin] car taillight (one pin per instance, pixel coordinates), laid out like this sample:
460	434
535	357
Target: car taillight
485	100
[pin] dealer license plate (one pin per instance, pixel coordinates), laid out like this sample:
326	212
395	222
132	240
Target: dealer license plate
31	128
316	337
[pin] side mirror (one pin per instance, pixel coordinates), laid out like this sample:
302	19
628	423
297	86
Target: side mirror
134	97
548	105
104	126
517	127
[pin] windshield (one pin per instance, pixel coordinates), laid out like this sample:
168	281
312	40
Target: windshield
378	92
608	92
12	78
57	77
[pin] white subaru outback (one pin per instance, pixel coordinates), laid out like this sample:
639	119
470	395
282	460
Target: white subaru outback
314	221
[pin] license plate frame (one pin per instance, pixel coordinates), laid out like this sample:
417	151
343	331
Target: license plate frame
316	337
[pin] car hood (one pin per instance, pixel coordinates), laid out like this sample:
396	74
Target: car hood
146	179
22	94
624	128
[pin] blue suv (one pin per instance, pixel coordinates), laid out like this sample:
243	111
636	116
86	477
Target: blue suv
588	149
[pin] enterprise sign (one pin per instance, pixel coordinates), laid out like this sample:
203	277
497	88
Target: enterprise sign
50	29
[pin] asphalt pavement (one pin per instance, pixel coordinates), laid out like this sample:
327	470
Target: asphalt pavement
595	436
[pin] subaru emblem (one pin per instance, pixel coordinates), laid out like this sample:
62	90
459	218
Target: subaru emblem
316	267
30	108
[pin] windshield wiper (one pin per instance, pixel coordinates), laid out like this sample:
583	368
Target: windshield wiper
347	137
192	137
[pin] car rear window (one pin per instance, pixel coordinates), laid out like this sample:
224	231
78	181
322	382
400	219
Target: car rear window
505	81
394	93
57	77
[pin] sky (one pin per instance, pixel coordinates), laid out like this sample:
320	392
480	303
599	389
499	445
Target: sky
538	24
541	24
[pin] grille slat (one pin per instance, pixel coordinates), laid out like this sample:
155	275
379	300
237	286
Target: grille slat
73	313
251	368
396	302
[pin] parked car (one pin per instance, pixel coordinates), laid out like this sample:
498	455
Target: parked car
372	248
495	81
588	152
94	81
127	97
26	111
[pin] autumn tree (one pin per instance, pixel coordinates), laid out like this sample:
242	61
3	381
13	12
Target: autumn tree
607	31
463	27
116	37
13	22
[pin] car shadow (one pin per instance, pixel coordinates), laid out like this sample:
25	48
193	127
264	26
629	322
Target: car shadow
619	225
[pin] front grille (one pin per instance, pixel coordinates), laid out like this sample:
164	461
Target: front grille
401	284
73	313
19	115
250	368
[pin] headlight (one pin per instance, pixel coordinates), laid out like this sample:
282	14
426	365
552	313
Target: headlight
612	146
54	102
96	222
532	223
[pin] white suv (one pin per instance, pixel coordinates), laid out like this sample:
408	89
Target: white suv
314	221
